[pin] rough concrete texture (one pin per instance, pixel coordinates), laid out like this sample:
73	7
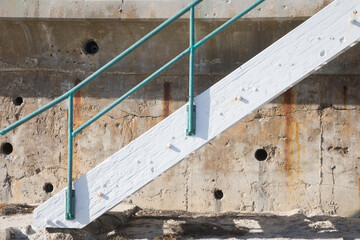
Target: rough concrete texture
20	226
169	225
155	9
310	133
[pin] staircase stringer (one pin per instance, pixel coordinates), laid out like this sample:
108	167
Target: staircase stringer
279	67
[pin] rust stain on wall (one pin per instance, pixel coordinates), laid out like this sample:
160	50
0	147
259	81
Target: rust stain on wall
167	99
345	96
292	148
77	97
77	123
217	160
288	100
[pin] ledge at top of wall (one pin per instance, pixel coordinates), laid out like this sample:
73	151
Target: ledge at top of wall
154	9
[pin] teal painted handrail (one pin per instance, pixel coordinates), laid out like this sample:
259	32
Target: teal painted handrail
102	69
70	193
167	65
191	108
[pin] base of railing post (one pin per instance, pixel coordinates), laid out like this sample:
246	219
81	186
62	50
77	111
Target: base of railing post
192	131
70	205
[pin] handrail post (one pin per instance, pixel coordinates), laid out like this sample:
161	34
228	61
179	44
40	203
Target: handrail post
70	193
191	108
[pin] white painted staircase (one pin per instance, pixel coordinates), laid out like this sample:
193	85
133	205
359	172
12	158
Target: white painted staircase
285	63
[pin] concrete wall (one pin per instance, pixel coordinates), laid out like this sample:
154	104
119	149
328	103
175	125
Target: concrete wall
310	133
154	9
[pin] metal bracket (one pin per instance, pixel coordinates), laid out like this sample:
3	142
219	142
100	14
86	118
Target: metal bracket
192	131
70	205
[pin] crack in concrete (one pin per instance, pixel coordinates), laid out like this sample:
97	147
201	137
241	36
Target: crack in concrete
7	184
262	117
72	71
121	6
133	115
310	185
82	71
187	185
341	186
162	192
340	150
321	160
346	171
333	181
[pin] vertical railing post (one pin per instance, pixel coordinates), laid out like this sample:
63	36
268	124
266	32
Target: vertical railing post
70	193
191	108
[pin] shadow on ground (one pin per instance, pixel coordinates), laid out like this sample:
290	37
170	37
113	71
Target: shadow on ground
150	224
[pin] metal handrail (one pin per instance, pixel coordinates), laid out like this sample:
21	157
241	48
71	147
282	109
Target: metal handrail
102	69
70	193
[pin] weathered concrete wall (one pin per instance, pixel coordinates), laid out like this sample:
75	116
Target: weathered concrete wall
154	9
310	133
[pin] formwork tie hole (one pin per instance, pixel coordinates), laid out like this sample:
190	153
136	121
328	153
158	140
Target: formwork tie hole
6	148
90	47
18	101
48	187
261	154
218	194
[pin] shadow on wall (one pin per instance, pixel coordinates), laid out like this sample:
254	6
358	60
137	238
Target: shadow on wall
324	90
48	66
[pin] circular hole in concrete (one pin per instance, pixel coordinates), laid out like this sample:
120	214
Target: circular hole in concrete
218	194
90	47
6	148
261	155
48	187
18	101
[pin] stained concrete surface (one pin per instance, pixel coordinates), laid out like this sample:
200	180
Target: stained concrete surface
154	9
311	133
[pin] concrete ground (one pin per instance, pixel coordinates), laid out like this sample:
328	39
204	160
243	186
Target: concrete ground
130	222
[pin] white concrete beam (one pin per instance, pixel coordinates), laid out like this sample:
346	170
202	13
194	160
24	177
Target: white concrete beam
282	65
